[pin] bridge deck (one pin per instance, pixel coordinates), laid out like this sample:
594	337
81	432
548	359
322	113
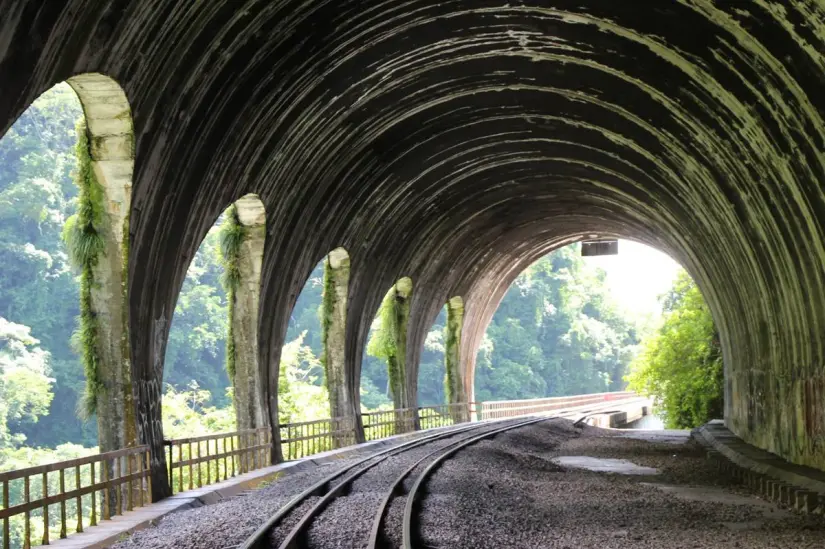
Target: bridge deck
525	488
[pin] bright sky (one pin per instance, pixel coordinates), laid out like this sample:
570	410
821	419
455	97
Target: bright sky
637	276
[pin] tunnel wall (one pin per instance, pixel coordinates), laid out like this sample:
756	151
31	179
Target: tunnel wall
452	142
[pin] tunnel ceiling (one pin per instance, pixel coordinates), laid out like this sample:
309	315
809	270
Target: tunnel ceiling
454	142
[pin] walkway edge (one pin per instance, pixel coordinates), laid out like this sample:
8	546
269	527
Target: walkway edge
107	533
794	486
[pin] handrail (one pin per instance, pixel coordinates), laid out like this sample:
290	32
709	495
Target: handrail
97	486
199	461
95	491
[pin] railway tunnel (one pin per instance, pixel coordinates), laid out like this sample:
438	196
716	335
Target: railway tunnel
453	143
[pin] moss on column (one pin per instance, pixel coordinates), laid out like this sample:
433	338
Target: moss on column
99	248
390	340
242	237
333	335
453	379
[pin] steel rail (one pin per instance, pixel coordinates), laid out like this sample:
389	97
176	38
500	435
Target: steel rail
259	539
376	541
416	490
324	488
296	539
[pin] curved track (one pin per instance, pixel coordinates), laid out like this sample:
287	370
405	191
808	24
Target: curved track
339	482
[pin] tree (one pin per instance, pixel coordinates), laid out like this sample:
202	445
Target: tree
556	332
681	363
25	386
37	286
300	397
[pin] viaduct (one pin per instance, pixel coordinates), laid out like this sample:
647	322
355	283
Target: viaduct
436	149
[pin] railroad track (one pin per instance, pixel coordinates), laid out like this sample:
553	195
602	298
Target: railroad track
339	482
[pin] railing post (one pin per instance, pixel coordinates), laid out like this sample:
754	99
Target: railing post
6	528
45	509
93	520
27	515
170	465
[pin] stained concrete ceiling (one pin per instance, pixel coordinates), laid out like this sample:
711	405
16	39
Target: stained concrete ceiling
455	142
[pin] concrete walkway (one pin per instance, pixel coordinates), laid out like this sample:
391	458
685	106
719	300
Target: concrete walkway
111	531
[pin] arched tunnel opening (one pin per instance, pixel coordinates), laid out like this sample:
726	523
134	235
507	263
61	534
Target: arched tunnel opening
452	144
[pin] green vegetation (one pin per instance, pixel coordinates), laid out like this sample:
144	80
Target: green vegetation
231	237
681	363
38	288
84	243
556	331
327	307
389	341
25	385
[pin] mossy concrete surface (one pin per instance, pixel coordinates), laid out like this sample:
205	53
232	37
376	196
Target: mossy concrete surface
457	142
454	381
247	382
111	150
336	288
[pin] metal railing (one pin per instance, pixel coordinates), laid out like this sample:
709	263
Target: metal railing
101	486
52	501
430	417
200	461
306	438
512	408
387	423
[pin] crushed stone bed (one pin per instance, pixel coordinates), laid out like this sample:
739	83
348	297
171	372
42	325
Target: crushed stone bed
507	492
229	522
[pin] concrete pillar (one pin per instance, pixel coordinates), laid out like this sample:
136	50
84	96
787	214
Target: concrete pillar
109	144
247	381
334	320
398	363
454	376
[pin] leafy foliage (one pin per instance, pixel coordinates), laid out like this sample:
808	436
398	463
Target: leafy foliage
84	241
231	237
198	335
556	332
383	342
188	413
301	397
25	385
681	364
37	286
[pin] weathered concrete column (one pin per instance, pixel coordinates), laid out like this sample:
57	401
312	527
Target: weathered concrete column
399	382
454	377
390	341
243	315
98	240
333	338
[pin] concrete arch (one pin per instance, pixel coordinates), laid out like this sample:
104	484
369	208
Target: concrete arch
334	307
248	214
445	141
109	135
486	294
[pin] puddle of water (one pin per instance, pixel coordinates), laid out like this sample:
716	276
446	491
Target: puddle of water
604	465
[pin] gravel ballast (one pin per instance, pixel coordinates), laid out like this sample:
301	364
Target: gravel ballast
229	522
507	492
